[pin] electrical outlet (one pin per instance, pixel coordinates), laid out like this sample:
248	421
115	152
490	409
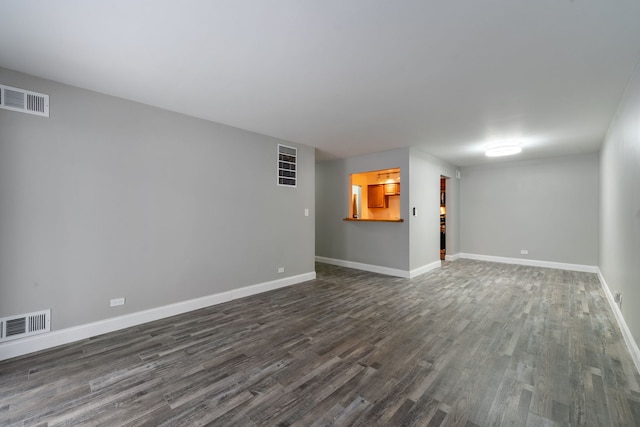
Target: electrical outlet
280	269
524	252
117	301
306	212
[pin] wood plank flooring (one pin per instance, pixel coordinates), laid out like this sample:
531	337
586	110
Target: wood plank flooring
471	344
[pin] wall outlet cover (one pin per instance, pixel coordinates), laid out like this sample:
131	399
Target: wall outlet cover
117	301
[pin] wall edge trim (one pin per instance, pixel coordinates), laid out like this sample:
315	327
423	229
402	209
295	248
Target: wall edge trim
35	343
380	269
366	267
632	346
532	262
424	269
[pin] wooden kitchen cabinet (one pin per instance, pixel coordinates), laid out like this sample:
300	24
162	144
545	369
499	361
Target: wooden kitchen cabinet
376	198
392	189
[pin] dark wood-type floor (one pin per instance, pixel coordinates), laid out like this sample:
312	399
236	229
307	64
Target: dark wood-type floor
472	344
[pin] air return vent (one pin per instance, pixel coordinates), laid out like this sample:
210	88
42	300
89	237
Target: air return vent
287	165
25	325
24	101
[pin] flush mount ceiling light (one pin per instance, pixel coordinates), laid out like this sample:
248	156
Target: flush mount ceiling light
504	150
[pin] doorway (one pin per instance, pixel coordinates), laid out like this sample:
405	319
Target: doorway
443	218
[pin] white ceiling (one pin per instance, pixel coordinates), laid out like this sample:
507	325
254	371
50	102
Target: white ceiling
349	76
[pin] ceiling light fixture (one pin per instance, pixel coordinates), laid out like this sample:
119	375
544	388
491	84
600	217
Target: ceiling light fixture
389	179
505	150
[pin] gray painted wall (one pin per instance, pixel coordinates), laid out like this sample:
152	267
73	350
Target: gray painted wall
108	198
548	207
405	246
620	205
425	197
376	243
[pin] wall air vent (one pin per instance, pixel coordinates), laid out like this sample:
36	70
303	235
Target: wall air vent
24	101
287	165
25	325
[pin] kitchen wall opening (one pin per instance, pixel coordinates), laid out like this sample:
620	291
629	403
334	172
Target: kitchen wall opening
375	195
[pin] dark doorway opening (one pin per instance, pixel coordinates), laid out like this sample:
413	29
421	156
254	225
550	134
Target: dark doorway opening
443	218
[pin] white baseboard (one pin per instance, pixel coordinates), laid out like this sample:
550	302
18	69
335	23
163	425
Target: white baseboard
424	269
451	257
64	336
366	267
405	274
532	262
626	333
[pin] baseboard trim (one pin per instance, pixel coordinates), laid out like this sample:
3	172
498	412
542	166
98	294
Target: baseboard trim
451	257
626	333
532	262
28	345
366	267
405	274
424	269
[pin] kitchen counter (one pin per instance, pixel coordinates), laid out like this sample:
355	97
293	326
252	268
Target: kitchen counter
373	220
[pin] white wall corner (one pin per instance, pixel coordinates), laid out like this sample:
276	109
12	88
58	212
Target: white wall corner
20	347
626	333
